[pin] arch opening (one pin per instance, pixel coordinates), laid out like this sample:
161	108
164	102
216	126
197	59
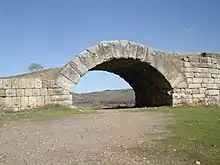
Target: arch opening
150	86
105	90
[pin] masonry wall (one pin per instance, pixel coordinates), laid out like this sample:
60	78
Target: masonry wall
202	74
26	93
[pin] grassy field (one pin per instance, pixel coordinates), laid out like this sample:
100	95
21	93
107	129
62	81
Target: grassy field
194	137
50	112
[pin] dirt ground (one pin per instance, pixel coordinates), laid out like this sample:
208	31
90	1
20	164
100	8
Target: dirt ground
100	138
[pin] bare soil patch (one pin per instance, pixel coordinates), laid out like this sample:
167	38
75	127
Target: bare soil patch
100	138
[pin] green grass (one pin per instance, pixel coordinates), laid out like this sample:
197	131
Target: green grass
50	112
195	136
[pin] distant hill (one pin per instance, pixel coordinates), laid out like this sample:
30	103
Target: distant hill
105	99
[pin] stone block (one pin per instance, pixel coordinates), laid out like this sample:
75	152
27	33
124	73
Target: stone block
213	92
24	102
194	85
214	71
30	83
40	101
187	64
8	102
2	93
188	96
37	83
203	75
217	81
61	98
141	52
214	76
212	86
22	83
202	90
201	95
54	98
32	101
65	83
77	64
47	100
2	103
188	74
6	83
214	61
71	74
57	91
1	84
28	92
49	83
11	92
209	59
189	80
36	92
190	70
204	85
43	92
20	92
15	83
208	80
197	80
16	102
182	84
194	91
193	58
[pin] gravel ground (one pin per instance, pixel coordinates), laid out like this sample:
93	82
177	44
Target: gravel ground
89	139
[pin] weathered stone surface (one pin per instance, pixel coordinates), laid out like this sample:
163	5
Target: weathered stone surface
20	92
71	74
213	92
2	103
28	92
30	83
190	74
15	82
201	95
194	85
197	80
47	100
11	92
8	103
2	93
79	66
37	83
1	84
65	83
24	102
212	86
43	92
32	101
22	83
16	102
6	83
36	92
40	101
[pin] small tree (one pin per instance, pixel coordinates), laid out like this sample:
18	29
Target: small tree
35	67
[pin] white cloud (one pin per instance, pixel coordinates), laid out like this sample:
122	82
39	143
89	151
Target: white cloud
188	29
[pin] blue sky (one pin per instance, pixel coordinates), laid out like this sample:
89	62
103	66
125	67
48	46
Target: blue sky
52	32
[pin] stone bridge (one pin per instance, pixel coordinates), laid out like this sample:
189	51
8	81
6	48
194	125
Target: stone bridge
158	78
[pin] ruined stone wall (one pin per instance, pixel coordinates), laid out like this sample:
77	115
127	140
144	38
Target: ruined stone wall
26	92
202	73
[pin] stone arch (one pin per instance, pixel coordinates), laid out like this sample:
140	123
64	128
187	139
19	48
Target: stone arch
150	73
